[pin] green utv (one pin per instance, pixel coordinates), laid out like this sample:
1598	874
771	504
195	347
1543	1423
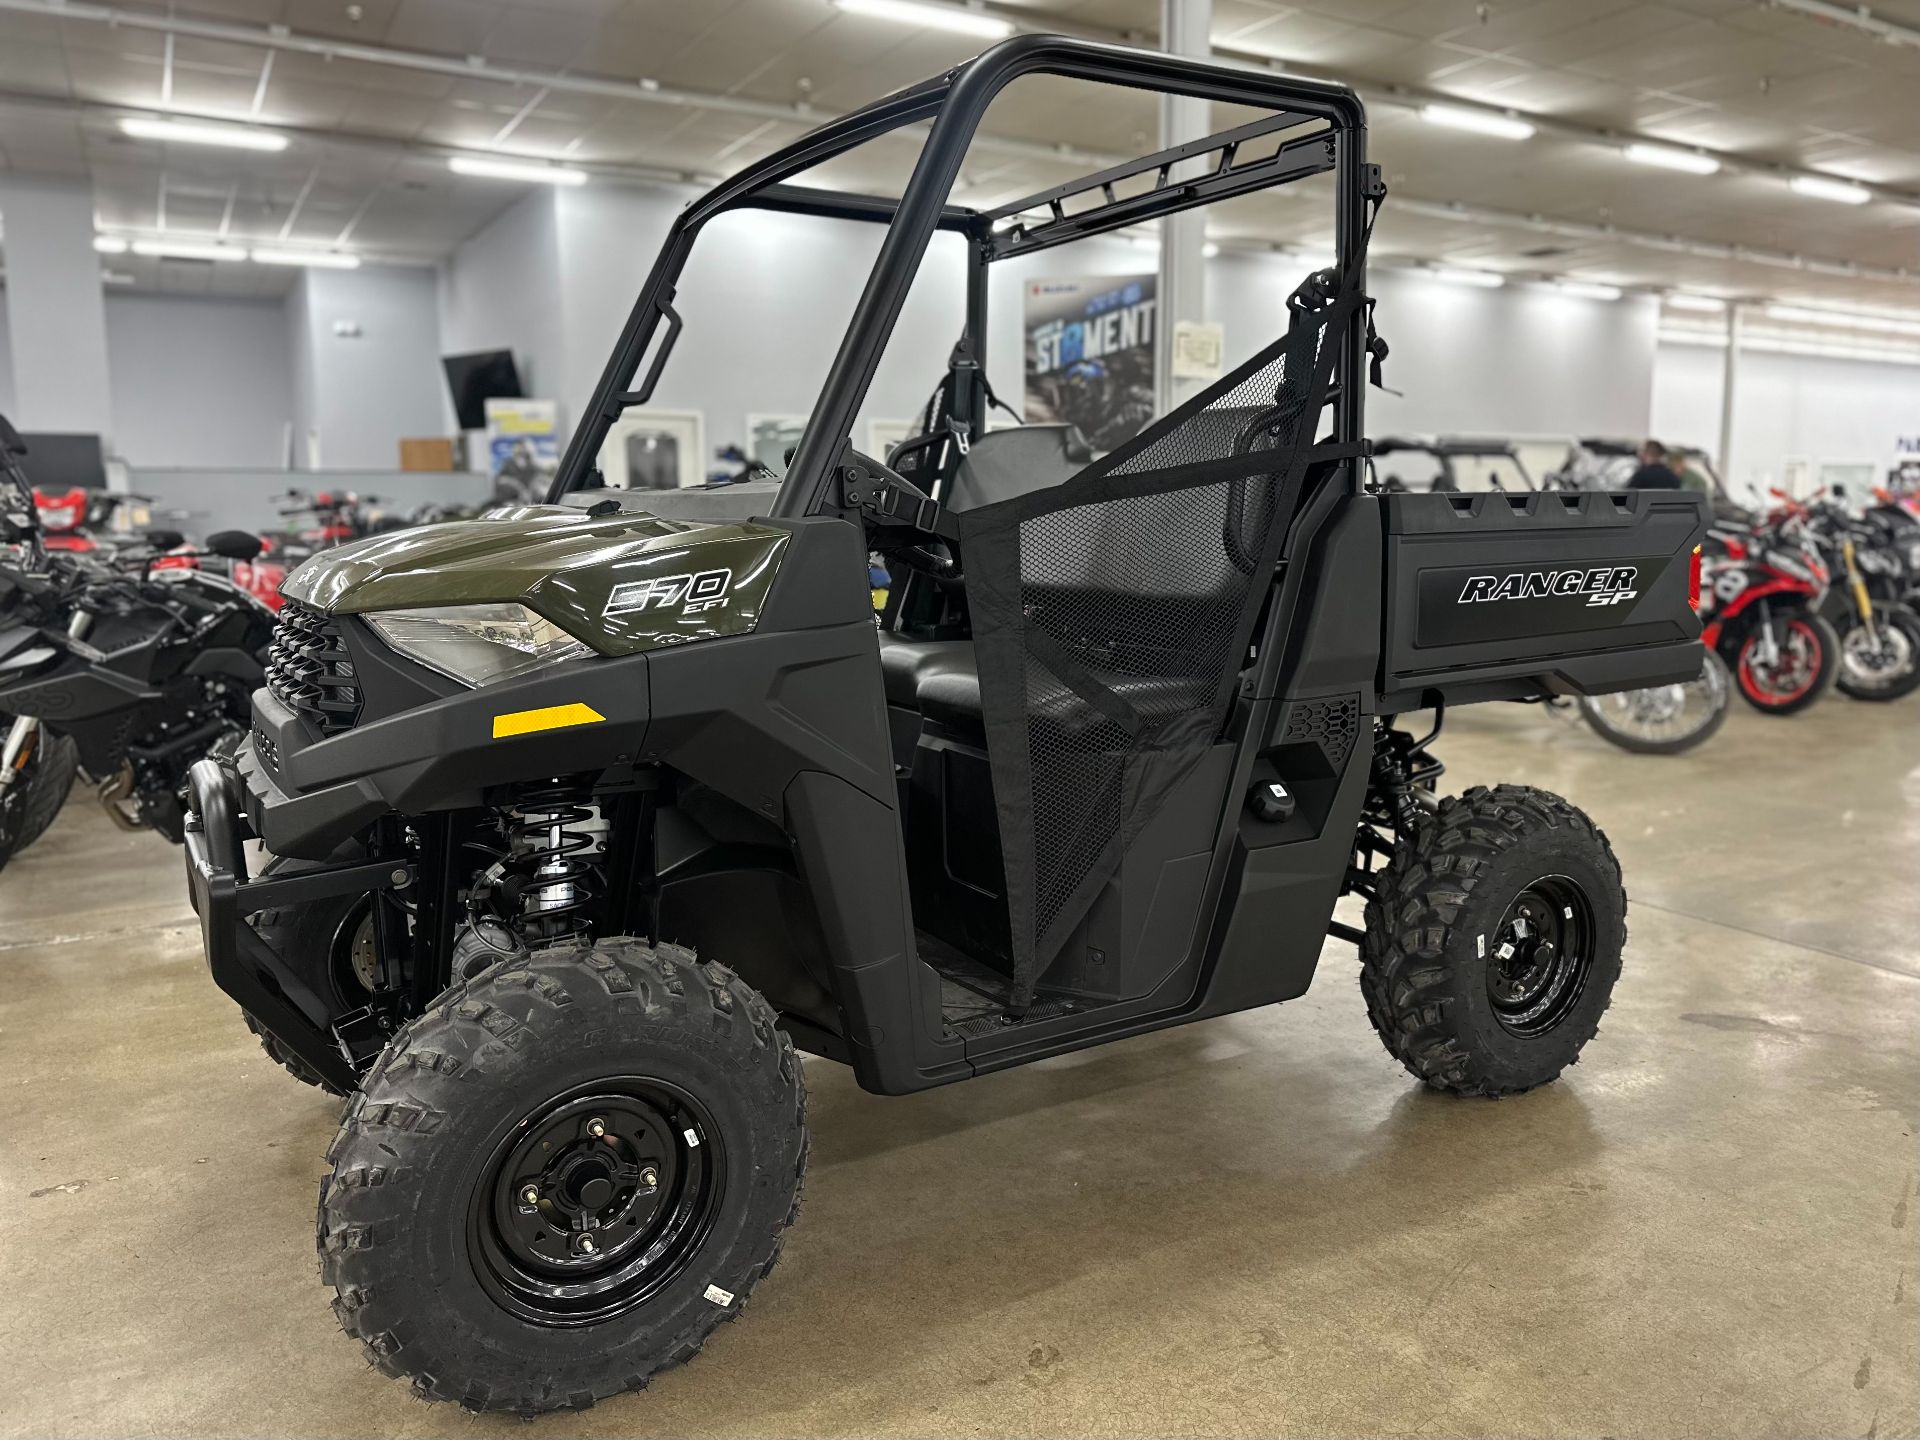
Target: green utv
585	819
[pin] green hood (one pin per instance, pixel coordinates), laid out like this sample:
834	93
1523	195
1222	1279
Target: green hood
622	583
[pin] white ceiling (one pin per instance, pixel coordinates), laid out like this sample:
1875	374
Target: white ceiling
1767	86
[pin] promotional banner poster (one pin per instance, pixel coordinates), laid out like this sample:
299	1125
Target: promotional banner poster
523	448
1090	355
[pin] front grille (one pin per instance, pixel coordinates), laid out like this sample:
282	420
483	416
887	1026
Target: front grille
310	672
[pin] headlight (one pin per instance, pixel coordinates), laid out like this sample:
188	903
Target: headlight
478	644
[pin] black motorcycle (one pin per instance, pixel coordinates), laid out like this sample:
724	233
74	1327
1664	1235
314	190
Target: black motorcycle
141	671
1879	633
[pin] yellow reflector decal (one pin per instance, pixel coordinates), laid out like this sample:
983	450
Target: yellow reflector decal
548	717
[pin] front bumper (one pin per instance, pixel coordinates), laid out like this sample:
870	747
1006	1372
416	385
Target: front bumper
256	978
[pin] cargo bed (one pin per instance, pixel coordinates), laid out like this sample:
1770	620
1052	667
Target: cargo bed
1515	597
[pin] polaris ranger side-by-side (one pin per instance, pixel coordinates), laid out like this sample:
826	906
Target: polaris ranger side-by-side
585	818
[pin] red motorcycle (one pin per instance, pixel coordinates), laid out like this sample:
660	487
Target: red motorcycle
1760	596
72	521
259	577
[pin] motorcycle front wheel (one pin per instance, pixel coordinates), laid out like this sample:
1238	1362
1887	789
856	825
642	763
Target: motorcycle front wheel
1663	719
1808	654
1882	664
29	805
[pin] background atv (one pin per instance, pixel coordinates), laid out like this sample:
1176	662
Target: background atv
641	803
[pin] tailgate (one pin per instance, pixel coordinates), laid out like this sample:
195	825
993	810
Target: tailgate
1497	596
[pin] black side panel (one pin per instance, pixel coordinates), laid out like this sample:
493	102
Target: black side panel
74	690
1317	740
791	723
851	861
1547	593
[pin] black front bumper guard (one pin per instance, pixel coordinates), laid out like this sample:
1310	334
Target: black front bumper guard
244	965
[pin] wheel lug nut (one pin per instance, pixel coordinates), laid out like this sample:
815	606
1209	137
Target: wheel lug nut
530	1195
585	1245
649	1177
596	1127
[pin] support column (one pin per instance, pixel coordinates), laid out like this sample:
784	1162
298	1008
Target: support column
1729	384
56	315
1185	29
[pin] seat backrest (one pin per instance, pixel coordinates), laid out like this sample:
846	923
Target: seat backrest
1002	464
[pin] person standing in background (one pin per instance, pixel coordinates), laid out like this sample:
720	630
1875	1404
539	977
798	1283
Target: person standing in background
1654	472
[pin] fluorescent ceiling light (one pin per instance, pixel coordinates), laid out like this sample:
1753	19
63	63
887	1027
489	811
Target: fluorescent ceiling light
1818	187
516	170
195	132
1589	290
110	244
1480	122
1703	304
1210	249
1667	157
115	277
319	259
187	250
935	17
1454	275
1844	319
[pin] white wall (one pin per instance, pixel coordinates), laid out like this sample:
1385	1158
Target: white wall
56	327
199	382
1788	407
501	291
1522	359
767	297
366	390
6	362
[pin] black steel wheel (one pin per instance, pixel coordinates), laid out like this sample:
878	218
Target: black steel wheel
561	1178
597	1201
1493	941
1541	954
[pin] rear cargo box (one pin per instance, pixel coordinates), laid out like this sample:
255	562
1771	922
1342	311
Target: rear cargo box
1498	596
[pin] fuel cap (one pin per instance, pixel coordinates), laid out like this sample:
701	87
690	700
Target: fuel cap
1271	801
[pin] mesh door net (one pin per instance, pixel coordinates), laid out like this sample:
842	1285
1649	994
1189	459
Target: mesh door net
1112	616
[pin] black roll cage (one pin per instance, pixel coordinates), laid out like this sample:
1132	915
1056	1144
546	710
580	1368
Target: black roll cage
1181	177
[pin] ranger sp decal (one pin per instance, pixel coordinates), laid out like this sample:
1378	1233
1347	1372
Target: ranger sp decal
691	594
1600	584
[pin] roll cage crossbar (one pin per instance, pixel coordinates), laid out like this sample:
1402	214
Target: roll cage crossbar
1232	162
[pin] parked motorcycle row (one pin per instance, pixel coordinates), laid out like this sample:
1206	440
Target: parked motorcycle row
123	659
1812	595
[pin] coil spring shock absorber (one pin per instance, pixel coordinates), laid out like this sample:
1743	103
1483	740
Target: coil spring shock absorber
557	885
1401	764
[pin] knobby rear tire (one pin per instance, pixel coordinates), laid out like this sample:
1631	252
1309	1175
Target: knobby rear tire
1432	931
